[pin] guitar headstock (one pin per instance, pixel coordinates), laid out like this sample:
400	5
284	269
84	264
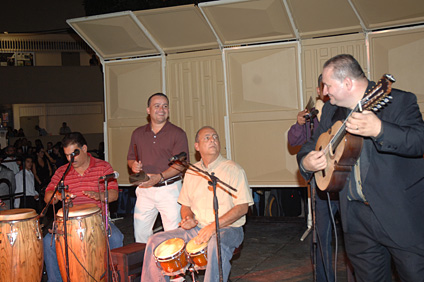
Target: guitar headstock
377	97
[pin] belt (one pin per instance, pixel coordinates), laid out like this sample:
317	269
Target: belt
168	181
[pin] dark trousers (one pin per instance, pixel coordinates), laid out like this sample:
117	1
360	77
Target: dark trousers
324	230
370	249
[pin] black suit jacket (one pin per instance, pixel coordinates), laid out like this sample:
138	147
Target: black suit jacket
392	174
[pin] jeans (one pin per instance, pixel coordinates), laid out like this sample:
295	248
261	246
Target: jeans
50	257
231	238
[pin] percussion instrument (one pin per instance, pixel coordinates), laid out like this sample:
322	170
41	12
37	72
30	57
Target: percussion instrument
86	243
170	256
197	254
138	178
21	246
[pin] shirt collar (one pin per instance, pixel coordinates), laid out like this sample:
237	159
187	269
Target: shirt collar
213	165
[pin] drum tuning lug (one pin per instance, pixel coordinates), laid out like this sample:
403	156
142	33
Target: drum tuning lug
81	233
12	237
37	230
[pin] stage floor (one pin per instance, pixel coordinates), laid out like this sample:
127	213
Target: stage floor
271	251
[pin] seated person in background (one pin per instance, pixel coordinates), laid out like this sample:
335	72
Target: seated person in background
7	182
31	195
197	213
10	160
65	129
41	131
82	182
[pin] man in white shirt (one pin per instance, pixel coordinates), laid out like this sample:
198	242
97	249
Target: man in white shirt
10	156
31	193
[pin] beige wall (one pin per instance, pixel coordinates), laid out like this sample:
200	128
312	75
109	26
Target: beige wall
251	95
128	85
83	117
195	86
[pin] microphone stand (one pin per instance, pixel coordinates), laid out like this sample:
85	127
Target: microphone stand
312	185
213	181
108	273
65	208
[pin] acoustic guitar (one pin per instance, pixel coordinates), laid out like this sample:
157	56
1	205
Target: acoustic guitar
343	149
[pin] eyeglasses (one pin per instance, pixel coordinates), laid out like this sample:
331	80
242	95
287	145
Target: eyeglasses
215	137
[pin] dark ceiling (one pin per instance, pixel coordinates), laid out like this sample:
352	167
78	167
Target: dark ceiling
26	16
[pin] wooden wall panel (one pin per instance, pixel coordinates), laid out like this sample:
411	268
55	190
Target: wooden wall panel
400	53
195	83
128	86
315	52
263	97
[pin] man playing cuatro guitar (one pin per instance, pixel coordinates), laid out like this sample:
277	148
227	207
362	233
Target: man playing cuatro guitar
382	188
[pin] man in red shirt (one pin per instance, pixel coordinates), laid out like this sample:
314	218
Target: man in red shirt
83	187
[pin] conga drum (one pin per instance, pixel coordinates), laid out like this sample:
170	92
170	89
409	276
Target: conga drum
170	256
21	246
197	254
86	243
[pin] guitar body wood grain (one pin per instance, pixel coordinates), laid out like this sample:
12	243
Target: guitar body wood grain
340	159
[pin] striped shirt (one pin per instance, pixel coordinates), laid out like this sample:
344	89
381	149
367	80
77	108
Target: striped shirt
89	181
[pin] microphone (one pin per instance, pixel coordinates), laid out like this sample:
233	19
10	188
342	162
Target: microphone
181	156
75	153
115	175
312	114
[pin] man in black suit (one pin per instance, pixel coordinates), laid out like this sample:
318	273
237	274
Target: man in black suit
382	201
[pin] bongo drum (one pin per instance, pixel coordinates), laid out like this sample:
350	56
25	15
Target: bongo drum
86	243
197	254
21	246
170	256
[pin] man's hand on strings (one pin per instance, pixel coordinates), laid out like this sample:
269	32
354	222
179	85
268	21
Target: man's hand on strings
366	124
314	161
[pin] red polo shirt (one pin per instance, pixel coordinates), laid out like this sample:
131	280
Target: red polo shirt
89	181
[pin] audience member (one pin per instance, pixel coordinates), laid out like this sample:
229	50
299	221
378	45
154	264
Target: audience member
31	195
7	184
42	171
41	131
10	161
65	129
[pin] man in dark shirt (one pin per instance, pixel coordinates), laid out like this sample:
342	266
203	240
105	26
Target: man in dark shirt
156	143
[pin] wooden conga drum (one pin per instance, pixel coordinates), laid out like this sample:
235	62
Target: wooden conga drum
86	244
21	246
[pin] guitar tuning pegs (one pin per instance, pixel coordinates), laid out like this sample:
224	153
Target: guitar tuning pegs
390	97
386	100
375	109
382	103
379	106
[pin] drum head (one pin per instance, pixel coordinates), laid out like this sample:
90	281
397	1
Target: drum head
169	248
193	248
17	214
80	210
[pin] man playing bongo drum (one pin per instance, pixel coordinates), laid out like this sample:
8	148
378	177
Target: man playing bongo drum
197	213
82	181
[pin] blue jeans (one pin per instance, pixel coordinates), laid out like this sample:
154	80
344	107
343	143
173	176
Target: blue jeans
324	229
231	238
50	257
